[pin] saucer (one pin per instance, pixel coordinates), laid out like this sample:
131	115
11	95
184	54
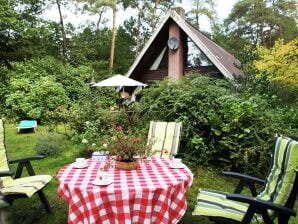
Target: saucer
177	166
74	165
99	182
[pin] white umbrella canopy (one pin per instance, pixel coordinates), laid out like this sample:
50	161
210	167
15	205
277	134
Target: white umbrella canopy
119	80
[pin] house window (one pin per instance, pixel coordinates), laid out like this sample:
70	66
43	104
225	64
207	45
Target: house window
195	57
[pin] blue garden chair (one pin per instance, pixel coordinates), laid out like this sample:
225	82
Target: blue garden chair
27	124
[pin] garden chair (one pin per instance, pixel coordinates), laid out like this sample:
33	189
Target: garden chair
3	211
27	124
164	138
21	187
276	200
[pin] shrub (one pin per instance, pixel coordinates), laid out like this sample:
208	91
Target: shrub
221	126
49	144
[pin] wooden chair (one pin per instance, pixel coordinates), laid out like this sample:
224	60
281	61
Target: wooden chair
21	187
164	138
276	200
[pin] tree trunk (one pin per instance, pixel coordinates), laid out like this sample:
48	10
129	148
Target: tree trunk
64	45
99	18
197	15
154	20
138	41
113	42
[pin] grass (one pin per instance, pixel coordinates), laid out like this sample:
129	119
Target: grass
20	145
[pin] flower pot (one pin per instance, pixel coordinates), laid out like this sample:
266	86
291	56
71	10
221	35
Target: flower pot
126	165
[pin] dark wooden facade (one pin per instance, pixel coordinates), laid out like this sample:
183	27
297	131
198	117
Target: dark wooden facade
161	74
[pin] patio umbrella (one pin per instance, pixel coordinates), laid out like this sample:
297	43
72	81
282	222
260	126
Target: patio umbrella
119	80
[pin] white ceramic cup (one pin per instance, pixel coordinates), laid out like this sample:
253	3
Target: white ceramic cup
80	162
177	161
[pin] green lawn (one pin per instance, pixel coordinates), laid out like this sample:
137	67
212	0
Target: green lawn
20	145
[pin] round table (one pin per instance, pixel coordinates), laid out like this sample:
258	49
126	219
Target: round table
153	193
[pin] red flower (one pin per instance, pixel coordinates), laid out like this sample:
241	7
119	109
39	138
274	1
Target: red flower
119	128
136	140
119	158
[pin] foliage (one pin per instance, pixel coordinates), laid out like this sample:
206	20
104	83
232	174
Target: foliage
126	145
94	108
202	8
23	34
43	88
222	125
262	22
43	99
279	64
49	144
91	138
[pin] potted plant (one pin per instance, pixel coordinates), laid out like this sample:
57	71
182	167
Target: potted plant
126	148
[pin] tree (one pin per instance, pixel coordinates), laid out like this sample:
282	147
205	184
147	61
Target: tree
64	44
158	4
97	7
280	63
263	21
203	8
37	100
140	7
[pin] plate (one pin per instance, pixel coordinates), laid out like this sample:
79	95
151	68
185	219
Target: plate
74	165
177	166
99	182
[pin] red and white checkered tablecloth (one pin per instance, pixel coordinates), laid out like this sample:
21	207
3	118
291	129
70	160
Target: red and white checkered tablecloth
154	193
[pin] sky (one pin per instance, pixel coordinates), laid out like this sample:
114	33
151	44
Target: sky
223	8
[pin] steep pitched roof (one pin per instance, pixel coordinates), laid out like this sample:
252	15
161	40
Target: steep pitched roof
226	63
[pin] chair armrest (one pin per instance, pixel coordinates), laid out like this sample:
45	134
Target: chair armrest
245	181
261	203
25	162
178	155
6	173
244	177
26	159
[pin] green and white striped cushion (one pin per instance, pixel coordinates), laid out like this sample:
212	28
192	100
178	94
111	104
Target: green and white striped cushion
280	181
277	189
214	203
26	185
3	158
164	138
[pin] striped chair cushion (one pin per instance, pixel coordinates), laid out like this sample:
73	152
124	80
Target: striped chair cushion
3	158
26	185
282	175
164	138
215	203
277	188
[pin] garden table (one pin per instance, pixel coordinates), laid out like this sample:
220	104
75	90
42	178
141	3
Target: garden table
153	193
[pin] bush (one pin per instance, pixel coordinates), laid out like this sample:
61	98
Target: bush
221	126
49	144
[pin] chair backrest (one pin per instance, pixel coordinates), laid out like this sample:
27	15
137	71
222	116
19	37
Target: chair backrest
164	138
283	173
3	158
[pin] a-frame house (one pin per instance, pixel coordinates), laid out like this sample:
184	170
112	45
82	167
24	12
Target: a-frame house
177	48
